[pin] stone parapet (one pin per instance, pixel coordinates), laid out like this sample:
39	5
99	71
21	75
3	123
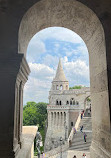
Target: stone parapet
71	91
29	133
67	107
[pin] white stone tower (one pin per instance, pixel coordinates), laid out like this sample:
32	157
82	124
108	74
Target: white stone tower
58	114
63	110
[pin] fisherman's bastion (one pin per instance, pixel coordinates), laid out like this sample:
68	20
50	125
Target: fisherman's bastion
20	20
65	105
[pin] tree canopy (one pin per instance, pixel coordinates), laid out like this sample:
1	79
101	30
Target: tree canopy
76	87
35	114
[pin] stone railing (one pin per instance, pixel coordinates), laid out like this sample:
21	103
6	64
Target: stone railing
71	91
76	126
27	149
58	107
63	107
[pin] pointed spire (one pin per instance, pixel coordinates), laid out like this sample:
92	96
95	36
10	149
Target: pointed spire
60	76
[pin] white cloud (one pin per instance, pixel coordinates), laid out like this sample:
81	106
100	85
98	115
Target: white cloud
51	60
41	71
39	83
76	70
35	48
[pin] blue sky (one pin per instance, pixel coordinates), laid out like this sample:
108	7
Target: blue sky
43	53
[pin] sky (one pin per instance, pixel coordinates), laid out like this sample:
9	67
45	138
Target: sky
43	53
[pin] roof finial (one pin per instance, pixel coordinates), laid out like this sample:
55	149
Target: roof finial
60	76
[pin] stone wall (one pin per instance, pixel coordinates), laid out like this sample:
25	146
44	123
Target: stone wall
20	20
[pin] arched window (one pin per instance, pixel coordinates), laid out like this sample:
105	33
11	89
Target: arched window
57	87
77	103
66	87
67	102
70	102
73	102
61	87
57	103
60	103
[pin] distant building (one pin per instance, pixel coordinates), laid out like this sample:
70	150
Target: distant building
63	110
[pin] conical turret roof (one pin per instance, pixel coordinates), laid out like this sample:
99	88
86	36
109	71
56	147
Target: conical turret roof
60	76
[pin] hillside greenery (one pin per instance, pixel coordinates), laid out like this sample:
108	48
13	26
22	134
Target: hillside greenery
76	87
35	114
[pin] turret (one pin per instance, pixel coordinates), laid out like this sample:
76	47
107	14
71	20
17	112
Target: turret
60	82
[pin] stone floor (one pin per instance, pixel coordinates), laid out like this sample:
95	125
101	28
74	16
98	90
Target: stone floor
70	154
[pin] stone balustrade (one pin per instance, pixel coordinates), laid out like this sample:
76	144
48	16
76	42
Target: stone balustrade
58	107
71	91
76	126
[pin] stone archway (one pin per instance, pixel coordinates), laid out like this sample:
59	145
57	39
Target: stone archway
85	101
82	20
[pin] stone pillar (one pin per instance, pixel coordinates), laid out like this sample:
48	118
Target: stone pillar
16	145
53	121
49	120
57	119
18	111
63	120
101	129
67	121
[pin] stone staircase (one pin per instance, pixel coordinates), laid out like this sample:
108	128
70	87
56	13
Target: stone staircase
78	143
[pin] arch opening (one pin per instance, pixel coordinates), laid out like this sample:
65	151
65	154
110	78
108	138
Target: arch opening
90	29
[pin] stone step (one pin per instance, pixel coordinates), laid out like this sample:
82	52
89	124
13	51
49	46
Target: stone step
78	140
82	148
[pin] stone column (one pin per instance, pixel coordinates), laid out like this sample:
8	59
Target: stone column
16	111
59	120
67	121
49	119
21	111
53	121
63	120
56	119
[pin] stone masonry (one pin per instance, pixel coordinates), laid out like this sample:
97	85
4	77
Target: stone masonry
64	107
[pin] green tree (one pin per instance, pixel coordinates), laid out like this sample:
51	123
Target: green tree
35	113
75	87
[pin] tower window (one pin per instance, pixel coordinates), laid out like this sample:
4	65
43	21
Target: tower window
71	102
71	123
66	87
60	103
61	87
57	87
67	102
57	103
77	103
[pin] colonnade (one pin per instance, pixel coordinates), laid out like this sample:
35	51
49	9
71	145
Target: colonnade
57	119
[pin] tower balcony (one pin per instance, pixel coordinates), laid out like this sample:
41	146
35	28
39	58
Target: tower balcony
63	107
